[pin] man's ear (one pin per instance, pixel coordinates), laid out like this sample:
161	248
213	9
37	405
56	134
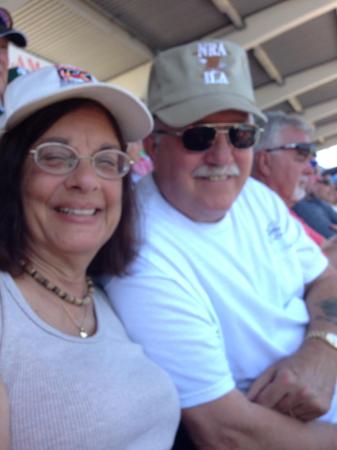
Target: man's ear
263	163
150	146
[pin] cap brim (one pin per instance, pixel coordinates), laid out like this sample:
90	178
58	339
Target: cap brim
16	37
132	116
191	110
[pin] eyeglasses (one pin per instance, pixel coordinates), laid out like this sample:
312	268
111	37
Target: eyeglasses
61	159
304	149
199	138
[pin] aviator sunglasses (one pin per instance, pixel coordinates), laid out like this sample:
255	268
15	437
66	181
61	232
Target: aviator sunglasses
199	138
304	149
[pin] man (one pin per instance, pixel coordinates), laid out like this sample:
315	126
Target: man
7	34
216	294
282	160
316	210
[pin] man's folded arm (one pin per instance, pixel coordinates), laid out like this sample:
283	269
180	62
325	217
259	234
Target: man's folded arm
233	422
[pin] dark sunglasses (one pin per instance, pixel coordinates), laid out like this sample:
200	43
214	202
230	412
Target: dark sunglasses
325	181
199	138
303	149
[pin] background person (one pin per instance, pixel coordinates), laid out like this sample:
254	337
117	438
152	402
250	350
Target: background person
227	282
283	154
283	160
73	378
7	34
142	163
333	200
315	209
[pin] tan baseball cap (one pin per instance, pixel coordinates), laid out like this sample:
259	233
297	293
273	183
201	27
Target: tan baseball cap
192	81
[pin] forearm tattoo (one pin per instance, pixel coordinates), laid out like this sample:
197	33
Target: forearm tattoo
328	310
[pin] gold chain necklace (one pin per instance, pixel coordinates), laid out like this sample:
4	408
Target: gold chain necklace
63	295
82	331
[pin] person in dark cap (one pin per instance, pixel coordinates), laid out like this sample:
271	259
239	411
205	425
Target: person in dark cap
228	294
7	34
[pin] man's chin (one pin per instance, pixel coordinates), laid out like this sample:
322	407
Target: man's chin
298	194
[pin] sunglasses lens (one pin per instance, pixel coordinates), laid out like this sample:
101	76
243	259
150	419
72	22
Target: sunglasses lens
306	149
325	182
198	138
202	138
243	136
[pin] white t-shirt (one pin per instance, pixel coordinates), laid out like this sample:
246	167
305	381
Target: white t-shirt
216	304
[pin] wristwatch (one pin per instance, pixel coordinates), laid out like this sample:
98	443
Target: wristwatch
328	338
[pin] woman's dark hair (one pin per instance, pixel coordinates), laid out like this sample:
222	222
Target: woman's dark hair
116	253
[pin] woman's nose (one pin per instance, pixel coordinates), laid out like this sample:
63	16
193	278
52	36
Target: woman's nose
84	176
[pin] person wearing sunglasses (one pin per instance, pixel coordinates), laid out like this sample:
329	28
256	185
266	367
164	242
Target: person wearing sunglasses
316	209
226	280
70	378
283	159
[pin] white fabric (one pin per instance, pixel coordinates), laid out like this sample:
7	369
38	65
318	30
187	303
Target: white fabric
216	304
68	393
35	90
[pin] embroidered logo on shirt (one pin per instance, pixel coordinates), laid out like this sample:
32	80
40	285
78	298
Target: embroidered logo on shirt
274	231
215	59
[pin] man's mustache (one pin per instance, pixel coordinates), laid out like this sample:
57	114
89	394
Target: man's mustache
217	171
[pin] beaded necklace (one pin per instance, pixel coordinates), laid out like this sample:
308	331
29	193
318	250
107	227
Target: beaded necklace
63	295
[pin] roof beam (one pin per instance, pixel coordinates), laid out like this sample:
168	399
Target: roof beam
12	5
261	27
320	111
107	26
326	130
297	84
267	64
295	104
330	142
278	19
226	7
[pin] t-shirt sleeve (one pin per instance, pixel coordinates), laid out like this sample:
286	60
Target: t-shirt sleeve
178	331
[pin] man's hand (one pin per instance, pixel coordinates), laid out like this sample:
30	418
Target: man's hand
301	385
233	422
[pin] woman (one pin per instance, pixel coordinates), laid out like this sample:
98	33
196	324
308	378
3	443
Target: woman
72	378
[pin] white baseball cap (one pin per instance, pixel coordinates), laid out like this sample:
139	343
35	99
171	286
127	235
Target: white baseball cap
43	87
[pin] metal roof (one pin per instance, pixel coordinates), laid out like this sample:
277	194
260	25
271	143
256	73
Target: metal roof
291	44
